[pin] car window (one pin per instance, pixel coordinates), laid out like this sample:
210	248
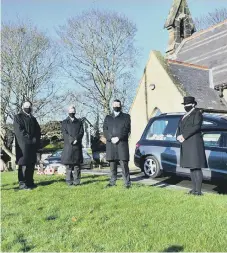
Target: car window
212	139
163	129
224	139
57	153
208	123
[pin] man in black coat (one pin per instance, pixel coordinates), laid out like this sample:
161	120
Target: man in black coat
192	146
72	155
117	128
27	132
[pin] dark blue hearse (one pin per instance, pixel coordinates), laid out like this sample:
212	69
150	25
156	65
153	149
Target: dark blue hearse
158	151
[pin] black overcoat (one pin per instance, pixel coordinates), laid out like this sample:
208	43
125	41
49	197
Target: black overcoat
120	127
192	153
25	128
72	130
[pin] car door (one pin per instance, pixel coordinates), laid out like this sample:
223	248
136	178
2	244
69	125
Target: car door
213	141
160	141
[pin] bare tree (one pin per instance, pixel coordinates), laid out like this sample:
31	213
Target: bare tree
212	18
100	56
29	65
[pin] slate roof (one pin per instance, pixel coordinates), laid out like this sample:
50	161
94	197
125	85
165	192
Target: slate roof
207	48
195	80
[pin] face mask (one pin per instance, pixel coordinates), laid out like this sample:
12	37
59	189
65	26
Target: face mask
71	115
188	108
117	109
28	110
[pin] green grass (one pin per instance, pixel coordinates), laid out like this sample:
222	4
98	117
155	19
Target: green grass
54	217
57	145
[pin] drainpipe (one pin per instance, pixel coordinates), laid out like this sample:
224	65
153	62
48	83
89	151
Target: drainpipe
145	91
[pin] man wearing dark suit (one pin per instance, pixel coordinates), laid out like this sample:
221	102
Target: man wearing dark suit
27	132
192	146
72	155
117	128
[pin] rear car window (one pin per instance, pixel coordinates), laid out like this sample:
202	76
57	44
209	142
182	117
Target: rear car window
163	129
212	139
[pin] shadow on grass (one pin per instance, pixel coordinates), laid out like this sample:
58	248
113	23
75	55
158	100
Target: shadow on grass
44	183
169	181
24	245
91	176
220	189
93	181
173	248
11	188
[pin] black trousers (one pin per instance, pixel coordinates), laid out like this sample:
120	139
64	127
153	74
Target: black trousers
197	179
25	175
125	172
73	174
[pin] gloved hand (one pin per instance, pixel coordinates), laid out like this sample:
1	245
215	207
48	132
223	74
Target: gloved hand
115	140
180	138
75	142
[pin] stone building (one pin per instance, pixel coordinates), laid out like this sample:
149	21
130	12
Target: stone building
195	64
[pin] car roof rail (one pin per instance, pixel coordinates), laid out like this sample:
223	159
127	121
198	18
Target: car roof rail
205	110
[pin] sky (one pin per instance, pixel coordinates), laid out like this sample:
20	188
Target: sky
148	15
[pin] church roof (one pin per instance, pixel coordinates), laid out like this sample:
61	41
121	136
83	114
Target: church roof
208	48
199	86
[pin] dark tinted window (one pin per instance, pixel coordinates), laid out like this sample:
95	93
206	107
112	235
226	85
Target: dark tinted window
163	129
212	139
224	134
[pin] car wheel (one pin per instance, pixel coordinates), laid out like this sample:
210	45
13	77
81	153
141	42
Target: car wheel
151	167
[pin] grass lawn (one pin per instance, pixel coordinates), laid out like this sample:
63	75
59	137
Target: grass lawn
54	217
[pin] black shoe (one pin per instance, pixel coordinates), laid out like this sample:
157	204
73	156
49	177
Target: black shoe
21	186
191	192
76	184
32	186
198	193
128	186
24	187
109	185
27	188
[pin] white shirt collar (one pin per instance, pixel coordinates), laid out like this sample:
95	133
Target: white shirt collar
72	119
116	113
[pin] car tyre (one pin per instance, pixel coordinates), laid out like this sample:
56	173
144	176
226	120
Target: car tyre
151	167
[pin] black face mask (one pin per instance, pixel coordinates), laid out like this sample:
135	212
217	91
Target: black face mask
71	115
188	108
117	109
28	110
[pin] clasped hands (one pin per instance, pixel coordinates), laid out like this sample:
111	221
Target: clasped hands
180	138
114	140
